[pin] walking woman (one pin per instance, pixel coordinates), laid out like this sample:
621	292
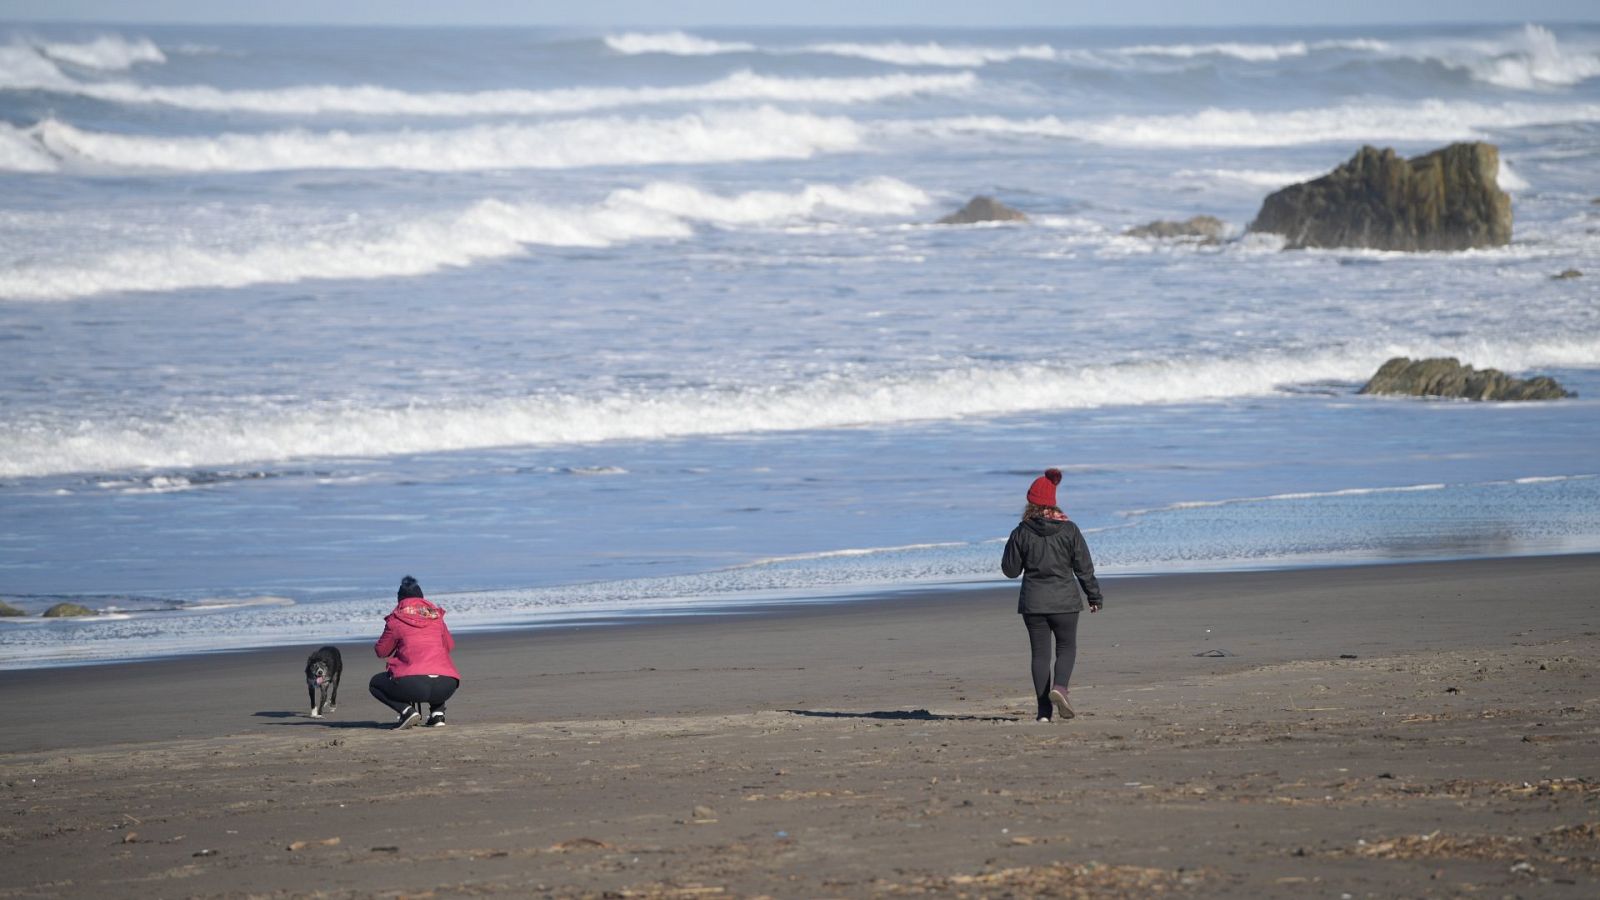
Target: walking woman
417	644
1048	551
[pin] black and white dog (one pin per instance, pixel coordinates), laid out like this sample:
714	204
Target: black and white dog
323	669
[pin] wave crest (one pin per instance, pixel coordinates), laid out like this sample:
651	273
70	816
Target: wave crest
716	136
1430	120
835	401
935	53
488	229
19	72
1252	52
21	151
932	53
1534	61
107	53
675	43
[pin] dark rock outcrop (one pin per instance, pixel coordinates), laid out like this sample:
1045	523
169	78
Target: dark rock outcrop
65	610
9	611
1209	229
1568	273
983	209
1449	378
1445	200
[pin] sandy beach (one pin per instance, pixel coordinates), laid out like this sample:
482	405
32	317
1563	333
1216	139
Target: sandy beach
1415	729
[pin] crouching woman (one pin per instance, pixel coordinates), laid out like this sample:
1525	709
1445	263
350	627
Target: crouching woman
416	644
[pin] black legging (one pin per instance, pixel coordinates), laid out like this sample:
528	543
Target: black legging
1065	628
412	690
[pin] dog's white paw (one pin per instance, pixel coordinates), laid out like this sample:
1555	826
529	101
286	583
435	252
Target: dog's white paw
315	714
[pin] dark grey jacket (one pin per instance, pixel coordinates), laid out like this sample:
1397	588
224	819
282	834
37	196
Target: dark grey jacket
1053	560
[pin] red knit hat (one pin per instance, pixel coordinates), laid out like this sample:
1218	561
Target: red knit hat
1043	490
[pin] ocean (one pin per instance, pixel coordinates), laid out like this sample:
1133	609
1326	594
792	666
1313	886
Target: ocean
576	326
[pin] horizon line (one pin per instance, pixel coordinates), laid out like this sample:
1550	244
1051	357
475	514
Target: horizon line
487	23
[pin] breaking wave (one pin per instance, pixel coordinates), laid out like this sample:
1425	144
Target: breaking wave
1507	178
20	151
1529	59
675	43
759	133
1532	60
840	400
23	69
27	67
1261	178
933	54
1252	52
107	53
717	136
1430	120
486	230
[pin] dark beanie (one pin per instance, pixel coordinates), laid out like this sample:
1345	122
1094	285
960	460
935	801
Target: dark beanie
1043	490
409	588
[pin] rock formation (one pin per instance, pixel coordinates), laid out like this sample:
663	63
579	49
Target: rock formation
64	610
983	209
8	611
1449	378
1209	229
1568	273
1444	200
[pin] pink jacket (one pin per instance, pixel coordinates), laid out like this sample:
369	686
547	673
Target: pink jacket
416	641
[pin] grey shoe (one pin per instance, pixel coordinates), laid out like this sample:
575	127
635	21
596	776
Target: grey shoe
1058	699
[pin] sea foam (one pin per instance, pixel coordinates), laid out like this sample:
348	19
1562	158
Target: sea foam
1531	60
487	229
26	67
17	72
1255	178
932	53
675	43
20	151
1252	52
714	136
836	401
1508	179
107	53
1429	120
929	53
936	53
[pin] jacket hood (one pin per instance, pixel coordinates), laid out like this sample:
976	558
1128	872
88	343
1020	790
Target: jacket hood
1044	527
418	613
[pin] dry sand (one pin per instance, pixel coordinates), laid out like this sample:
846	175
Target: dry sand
881	748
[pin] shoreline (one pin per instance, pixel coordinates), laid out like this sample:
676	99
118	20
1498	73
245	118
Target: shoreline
741	605
1422	729
1165	595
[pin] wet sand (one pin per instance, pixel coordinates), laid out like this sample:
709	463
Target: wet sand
868	749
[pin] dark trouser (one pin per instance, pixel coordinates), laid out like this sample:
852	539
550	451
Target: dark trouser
1040	627
413	690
